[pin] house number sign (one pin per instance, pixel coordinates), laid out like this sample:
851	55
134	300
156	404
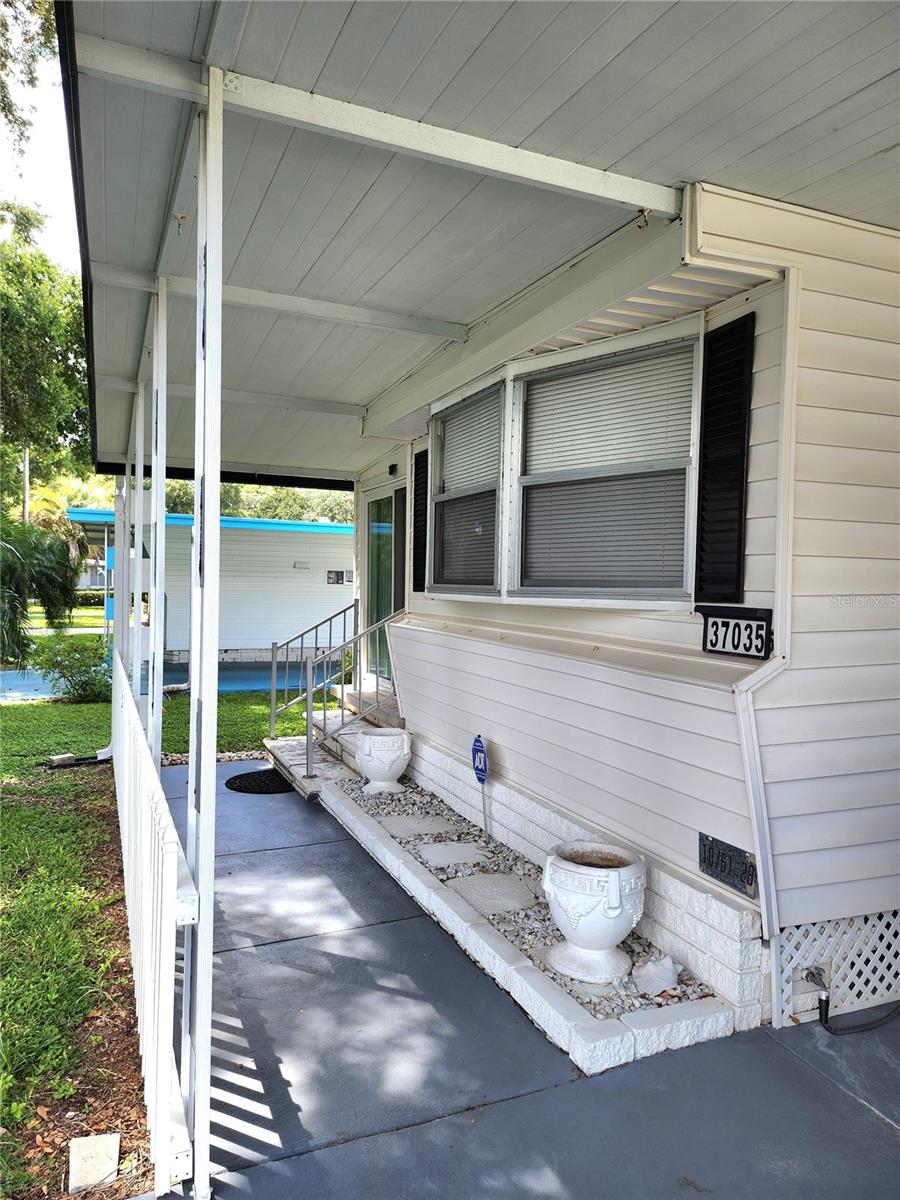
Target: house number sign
730	865
743	632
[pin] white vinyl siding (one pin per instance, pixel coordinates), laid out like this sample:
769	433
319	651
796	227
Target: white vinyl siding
829	726
649	760
264	597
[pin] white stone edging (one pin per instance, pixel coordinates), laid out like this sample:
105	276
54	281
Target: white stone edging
593	1044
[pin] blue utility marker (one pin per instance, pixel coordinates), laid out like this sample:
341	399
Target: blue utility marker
479	760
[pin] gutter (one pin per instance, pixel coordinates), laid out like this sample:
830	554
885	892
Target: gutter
65	36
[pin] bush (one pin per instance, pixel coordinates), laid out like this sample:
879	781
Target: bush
76	669
89	598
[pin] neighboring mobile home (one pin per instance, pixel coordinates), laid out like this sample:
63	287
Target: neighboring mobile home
276	577
624	447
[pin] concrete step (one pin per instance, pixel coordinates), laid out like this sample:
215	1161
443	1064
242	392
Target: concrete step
379	705
288	755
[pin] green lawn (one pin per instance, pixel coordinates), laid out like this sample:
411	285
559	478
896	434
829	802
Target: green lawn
54	920
243	721
82	618
59	942
44	728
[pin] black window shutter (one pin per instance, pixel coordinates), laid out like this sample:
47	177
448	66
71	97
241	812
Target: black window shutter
724	438
420	518
399	549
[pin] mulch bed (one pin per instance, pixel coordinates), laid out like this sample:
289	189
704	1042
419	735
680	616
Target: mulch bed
108	1095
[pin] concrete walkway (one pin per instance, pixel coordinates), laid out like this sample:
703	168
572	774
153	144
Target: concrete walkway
360	1055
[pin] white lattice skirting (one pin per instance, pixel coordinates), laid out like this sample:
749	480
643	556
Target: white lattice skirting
860	957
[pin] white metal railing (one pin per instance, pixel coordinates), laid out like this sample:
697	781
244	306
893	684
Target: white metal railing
160	896
328	673
309	643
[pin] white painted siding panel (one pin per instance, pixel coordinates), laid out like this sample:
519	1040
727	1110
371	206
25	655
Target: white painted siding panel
829	726
263	598
647	759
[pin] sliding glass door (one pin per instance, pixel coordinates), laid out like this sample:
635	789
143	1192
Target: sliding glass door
385	570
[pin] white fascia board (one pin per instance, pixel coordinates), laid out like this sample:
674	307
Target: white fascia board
626	260
289	305
355	122
333	408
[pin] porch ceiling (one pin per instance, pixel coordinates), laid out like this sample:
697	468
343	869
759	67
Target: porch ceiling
795	101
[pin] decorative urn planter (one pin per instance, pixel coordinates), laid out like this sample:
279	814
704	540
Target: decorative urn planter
382	755
596	896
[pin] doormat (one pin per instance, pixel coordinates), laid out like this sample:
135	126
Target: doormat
260	783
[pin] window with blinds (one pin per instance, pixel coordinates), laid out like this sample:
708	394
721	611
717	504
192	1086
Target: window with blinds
467	440
606	450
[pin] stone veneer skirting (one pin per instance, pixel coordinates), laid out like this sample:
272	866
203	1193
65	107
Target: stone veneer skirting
717	937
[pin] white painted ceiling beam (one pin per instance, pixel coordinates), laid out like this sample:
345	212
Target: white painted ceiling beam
289	305
332	408
354	122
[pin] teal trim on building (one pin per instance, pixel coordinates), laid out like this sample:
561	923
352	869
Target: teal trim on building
103	516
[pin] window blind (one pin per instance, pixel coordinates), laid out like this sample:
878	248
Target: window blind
470	444
465	533
632	410
610	532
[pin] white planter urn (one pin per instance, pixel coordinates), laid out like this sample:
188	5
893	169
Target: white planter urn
382	755
596	896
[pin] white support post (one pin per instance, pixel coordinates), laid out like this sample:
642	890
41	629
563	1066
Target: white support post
123	581
105	584
120	570
158	553
188	1065
205	616
138	565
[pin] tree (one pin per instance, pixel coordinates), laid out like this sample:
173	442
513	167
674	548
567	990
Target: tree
297	504
267	503
27	34
36	563
180	497
45	404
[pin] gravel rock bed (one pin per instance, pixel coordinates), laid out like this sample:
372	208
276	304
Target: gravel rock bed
179	760
531	930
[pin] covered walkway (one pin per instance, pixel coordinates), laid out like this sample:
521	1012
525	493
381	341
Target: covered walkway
357	1052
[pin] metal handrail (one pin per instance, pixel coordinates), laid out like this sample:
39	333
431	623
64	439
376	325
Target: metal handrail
341	615
326	682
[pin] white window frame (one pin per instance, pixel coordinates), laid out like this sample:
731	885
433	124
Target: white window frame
514	376
435	464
